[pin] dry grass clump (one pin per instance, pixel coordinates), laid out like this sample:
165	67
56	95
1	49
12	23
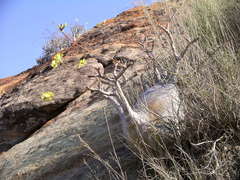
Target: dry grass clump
209	81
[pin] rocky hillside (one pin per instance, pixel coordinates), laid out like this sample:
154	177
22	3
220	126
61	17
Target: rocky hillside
44	139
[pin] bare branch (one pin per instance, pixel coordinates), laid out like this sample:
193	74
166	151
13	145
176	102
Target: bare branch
187	47
105	93
66	36
172	43
106	80
114	92
178	56
123	71
115	71
201	143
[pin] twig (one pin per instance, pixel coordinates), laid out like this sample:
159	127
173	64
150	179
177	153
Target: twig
113	147
212	152
172	43
201	143
187	47
105	93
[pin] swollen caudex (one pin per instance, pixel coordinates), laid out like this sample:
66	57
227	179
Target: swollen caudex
158	107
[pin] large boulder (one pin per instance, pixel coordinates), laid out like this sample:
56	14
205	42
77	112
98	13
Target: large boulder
48	139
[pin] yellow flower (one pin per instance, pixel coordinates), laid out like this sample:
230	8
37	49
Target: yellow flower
57	59
54	64
81	63
47	96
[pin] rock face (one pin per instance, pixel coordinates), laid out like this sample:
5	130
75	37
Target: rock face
47	140
23	111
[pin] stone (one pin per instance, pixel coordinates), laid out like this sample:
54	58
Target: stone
44	139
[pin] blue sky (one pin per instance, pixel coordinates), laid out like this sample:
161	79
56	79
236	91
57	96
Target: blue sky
27	24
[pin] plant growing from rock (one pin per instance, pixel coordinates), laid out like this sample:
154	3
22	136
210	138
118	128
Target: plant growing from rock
57	60
167	93
58	43
81	63
61	28
47	96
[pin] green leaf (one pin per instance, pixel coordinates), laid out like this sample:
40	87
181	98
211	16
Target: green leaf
47	96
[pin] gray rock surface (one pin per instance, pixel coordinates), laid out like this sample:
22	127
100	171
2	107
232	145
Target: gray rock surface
42	140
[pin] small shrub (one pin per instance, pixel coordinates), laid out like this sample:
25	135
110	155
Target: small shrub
76	31
57	42
55	45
